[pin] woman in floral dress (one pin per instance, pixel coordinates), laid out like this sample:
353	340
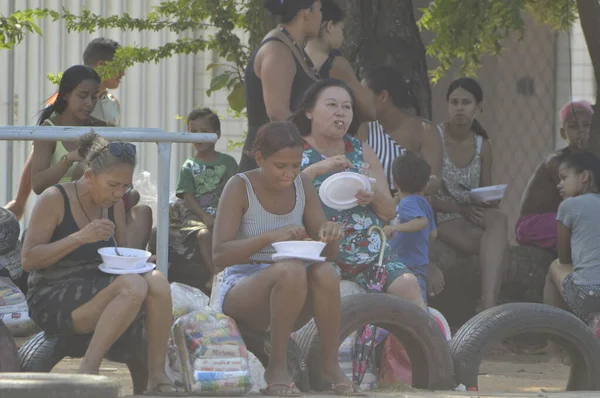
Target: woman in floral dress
323	118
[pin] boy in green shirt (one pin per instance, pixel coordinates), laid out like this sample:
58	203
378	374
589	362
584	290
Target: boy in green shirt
201	182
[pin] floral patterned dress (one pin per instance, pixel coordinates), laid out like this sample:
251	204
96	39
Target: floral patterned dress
359	251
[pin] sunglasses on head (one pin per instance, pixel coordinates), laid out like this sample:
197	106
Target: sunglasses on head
116	148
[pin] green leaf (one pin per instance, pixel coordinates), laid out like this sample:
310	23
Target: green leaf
235	144
236	98
54	79
218	82
218	64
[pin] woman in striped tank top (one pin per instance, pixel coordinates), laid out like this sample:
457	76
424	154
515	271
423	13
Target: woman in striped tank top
397	127
258	208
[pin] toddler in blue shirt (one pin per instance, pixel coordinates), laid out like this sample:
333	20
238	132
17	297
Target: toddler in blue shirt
414	225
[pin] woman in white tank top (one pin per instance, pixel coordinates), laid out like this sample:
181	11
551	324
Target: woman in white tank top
271	204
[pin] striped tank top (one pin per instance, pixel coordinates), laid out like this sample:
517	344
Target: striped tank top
257	220
385	148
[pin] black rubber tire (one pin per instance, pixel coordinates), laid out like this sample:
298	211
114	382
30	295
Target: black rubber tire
259	344
43	352
34	385
473	340
425	343
9	360
9	231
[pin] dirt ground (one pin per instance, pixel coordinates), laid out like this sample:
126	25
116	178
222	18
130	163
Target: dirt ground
498	374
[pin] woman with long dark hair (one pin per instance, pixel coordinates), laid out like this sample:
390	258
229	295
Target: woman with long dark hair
467	225
54	162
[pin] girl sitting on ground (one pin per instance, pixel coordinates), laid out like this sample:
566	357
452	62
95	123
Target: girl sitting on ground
271	204
573	280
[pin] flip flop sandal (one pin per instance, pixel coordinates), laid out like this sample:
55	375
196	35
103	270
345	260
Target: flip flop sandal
347	390
160	390
289	392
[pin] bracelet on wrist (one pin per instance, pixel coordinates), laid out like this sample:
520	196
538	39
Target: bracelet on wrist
65	160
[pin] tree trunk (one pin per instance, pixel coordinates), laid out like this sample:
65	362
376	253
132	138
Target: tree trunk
384	32
589	15
267	23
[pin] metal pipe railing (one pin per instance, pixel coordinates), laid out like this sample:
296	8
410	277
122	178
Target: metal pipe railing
164	142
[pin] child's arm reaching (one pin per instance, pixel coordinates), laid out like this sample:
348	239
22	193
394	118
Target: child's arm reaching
414	225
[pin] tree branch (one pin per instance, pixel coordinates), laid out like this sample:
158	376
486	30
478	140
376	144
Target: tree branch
589	15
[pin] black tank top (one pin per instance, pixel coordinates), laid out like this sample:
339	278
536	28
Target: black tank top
328	64
68	226
255	101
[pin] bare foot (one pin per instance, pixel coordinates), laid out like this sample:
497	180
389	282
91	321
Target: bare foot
16	208
435	281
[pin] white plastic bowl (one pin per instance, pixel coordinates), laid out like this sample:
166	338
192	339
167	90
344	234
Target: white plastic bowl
488	194
129	259
300	247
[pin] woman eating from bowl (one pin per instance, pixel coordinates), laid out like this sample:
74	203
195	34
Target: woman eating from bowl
466	224
279	71
324	118
68	294
276	203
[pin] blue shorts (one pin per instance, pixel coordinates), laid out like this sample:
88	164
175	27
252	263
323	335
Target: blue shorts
421	272
583	300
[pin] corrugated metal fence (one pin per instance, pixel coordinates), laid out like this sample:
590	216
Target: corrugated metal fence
151	95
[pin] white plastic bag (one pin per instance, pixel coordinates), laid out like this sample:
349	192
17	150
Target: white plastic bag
13	309
212	356
146	187
10	294
187	299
